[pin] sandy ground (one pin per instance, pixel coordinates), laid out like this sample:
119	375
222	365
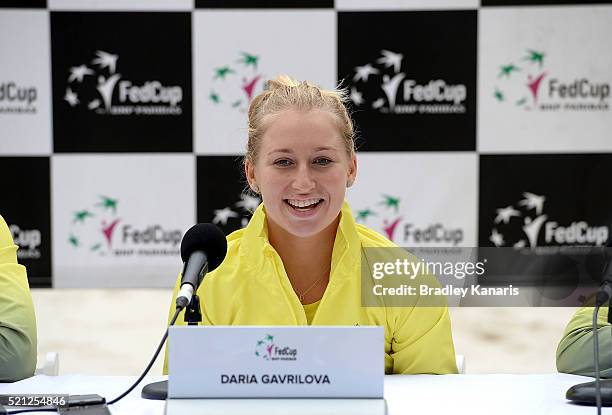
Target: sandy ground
115	332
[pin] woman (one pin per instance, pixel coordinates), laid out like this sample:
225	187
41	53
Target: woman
298	260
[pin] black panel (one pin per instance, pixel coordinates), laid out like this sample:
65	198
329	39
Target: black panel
26	208
133	90
419	92
569	197
24	4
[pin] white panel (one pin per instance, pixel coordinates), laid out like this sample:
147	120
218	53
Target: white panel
121	4
25	83
405	4
435	195
551	49
300	43
134	243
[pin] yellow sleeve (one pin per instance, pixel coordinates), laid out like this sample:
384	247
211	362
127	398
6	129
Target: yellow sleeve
420	326
17	318
575	350
422	341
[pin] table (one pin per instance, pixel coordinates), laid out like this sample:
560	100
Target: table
410	394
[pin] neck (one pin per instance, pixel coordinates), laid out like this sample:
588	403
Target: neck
305	259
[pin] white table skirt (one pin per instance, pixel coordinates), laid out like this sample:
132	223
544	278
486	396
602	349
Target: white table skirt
411	394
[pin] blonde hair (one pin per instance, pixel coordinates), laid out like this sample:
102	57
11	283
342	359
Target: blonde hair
285	93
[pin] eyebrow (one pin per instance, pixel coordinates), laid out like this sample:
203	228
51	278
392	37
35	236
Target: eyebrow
290	151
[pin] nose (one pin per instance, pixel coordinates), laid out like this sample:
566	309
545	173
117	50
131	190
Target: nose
302	180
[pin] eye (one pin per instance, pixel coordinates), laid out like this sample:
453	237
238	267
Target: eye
282	163
322	161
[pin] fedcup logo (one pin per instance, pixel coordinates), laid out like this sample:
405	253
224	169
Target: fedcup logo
99	229
528	83
242	210
525	224
392	225
234	84
396	93
266	349
97	86
93	228
531	82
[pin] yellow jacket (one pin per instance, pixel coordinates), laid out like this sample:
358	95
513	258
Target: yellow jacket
17	319
251	287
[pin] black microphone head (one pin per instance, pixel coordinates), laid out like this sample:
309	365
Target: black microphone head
208	238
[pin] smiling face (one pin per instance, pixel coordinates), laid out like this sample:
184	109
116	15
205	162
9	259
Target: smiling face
302	171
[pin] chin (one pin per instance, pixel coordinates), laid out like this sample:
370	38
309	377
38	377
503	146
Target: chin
304	224
309	228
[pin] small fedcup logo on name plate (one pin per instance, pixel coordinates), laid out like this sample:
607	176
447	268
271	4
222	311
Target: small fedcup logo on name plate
267	349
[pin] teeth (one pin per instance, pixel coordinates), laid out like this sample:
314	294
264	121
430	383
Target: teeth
303	203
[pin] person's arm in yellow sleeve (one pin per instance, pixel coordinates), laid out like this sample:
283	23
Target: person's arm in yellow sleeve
422	336
423	341
575	350
17	318
419	326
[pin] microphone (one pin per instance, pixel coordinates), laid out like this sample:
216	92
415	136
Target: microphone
203	249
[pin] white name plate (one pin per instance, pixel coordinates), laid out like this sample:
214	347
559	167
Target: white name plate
275	362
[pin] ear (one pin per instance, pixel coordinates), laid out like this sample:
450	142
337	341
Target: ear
249	171
352	172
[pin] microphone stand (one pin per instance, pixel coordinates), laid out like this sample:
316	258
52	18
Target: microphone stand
159	390
193	315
